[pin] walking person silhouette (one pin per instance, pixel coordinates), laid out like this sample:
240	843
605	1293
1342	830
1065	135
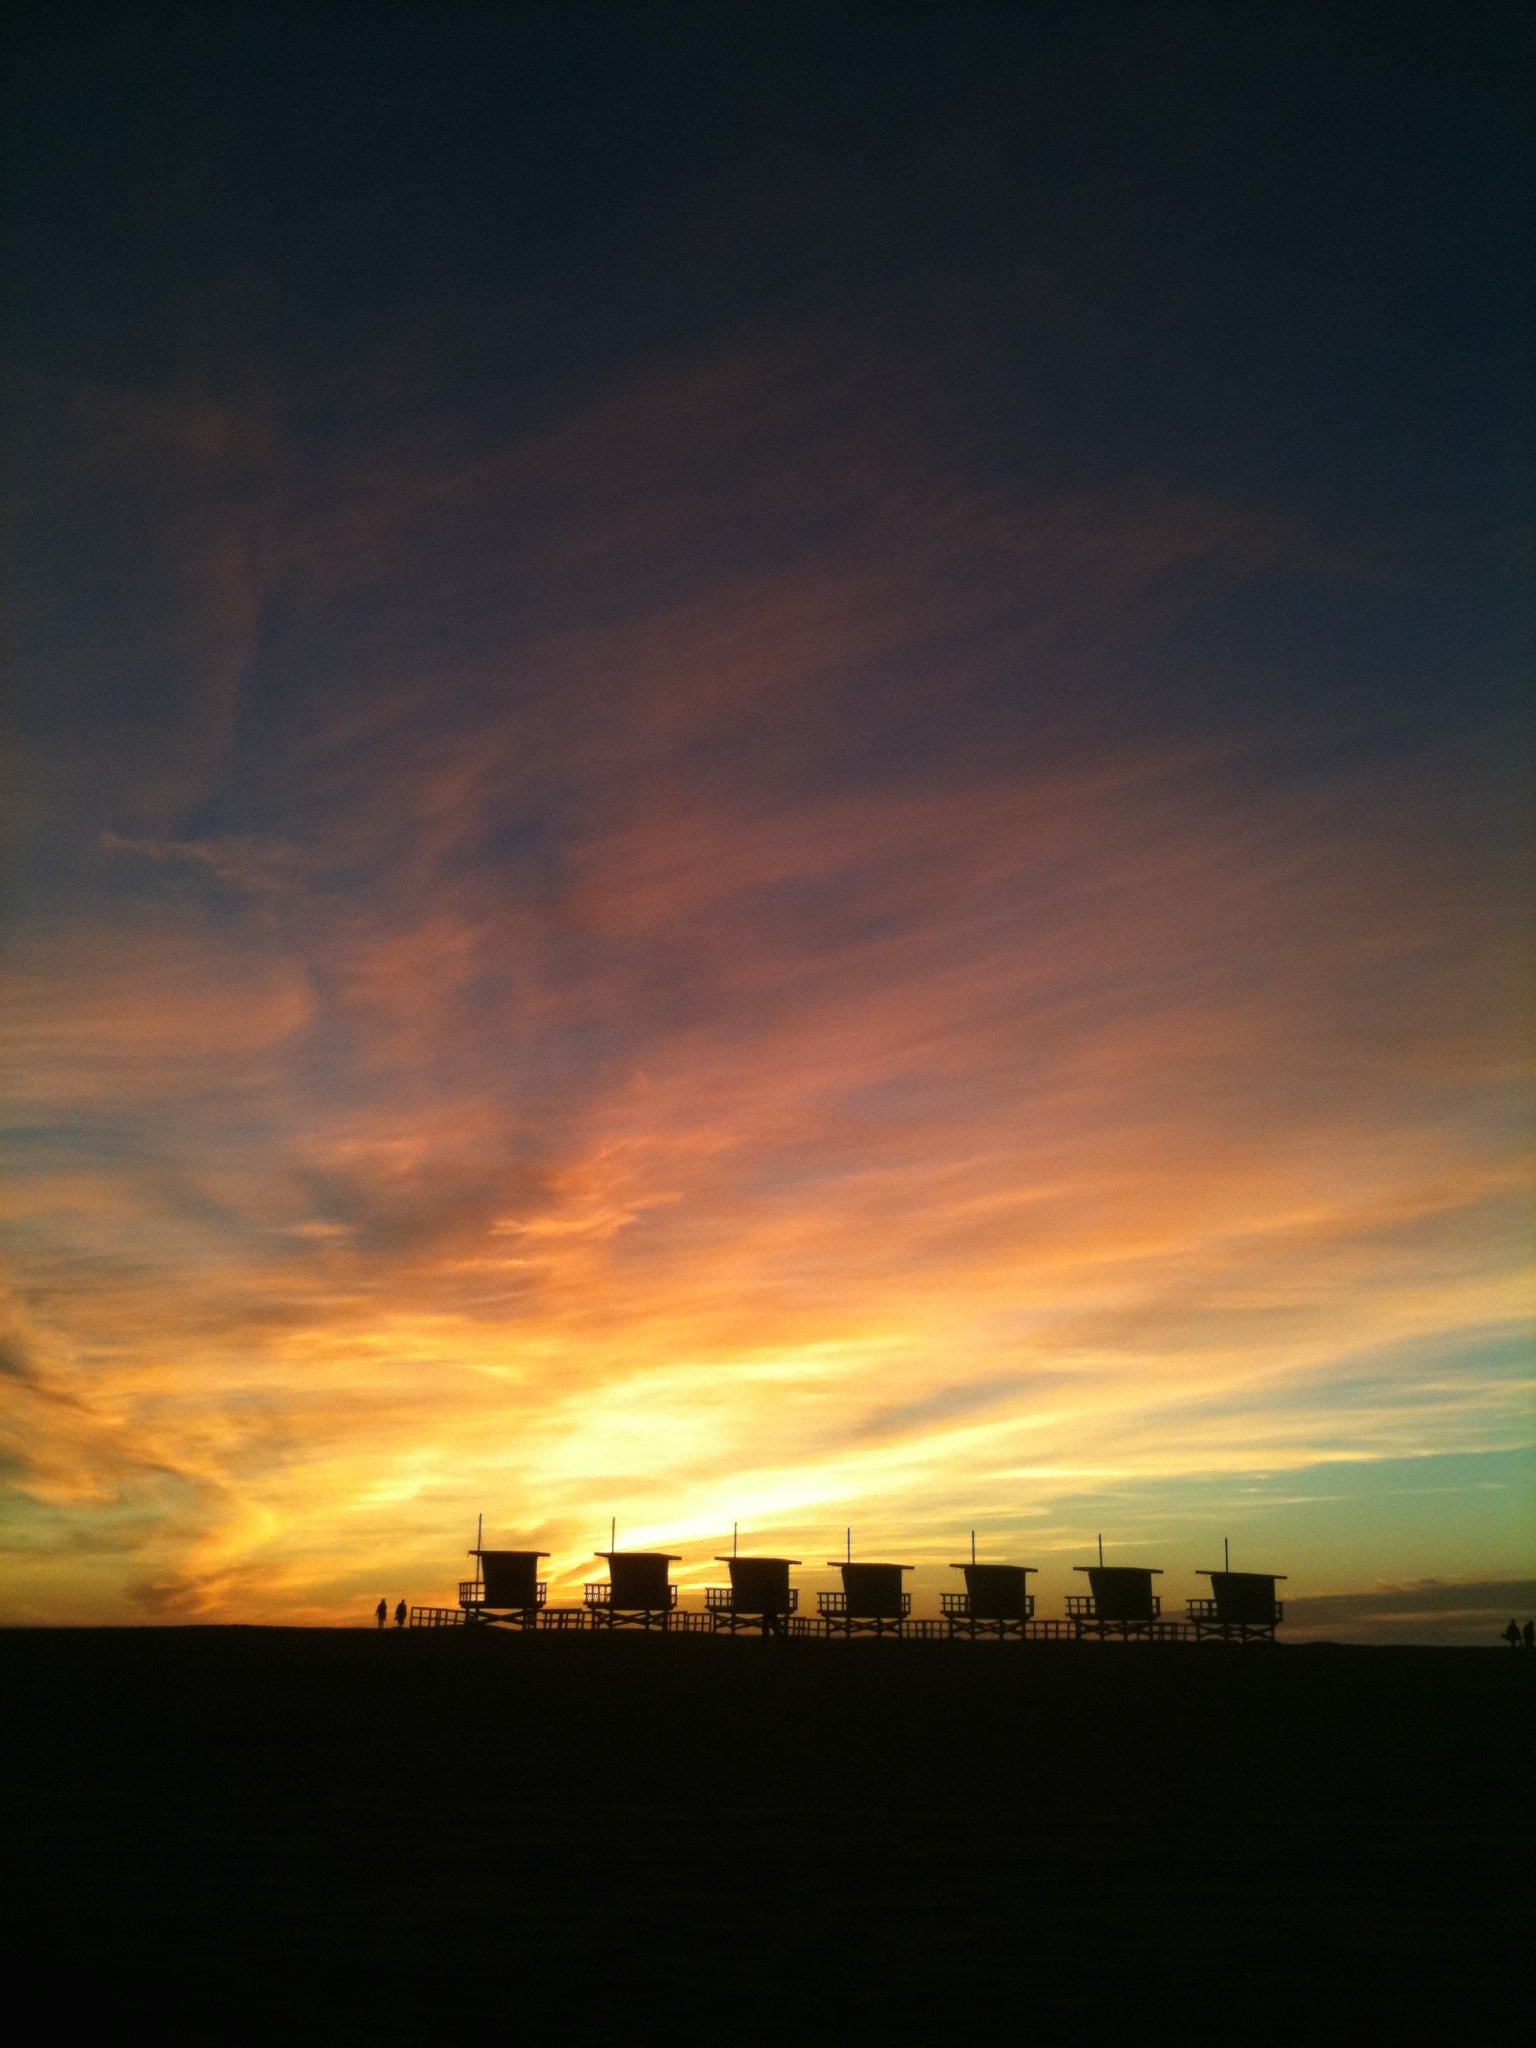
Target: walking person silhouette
381	1612
400	1615
1528	1635
1512	1635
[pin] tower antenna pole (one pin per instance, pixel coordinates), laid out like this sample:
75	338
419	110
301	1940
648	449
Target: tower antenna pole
1101	1550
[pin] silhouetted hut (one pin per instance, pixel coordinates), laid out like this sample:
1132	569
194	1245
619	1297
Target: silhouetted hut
638	1593
1122	1602
506	1587
871	1602
996	1601
759	1596
1242	1607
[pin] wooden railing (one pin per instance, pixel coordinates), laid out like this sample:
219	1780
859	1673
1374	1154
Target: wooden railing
472	1597
957	1606
834	1607
564	1619
1205	1613
1080	1607
600	1594
722	1600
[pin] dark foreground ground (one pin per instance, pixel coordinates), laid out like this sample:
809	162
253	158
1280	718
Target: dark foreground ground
444	1836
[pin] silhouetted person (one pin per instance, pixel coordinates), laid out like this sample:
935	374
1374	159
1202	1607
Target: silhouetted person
400	1615
1528	1635
381	1613
1512	1635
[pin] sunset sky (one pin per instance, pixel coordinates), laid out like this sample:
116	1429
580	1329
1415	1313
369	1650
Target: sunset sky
766	766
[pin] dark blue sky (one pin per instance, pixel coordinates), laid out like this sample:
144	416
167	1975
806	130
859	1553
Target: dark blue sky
1270	256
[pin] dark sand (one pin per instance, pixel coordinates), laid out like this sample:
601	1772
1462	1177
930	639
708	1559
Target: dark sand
480	1836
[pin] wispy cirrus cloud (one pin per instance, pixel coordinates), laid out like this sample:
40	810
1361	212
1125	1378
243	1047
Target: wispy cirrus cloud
701	980
259	865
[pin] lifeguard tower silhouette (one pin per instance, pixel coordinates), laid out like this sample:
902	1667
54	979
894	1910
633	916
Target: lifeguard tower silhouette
996	1601
1121	1603
871	1602
759	1596
1242	1607
506	1586
637	1592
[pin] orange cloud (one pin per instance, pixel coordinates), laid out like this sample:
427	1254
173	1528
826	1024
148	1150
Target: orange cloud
603	1092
